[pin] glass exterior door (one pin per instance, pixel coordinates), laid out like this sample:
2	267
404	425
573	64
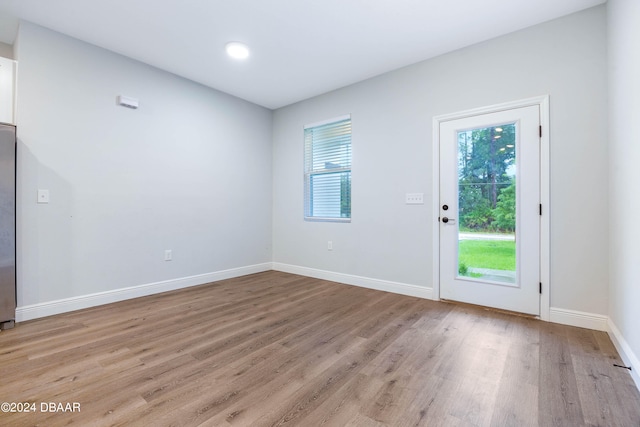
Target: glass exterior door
489	210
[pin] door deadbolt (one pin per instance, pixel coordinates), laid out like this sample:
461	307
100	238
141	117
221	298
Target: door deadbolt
445	207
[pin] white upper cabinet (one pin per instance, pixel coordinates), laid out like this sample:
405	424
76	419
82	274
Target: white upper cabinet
7	90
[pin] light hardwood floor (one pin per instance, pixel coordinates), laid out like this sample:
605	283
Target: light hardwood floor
280	349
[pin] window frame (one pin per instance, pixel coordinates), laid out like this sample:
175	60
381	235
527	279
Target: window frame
309	173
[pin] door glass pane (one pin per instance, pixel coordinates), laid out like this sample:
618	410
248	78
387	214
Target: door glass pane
487	203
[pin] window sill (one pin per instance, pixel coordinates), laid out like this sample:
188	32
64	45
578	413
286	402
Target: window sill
320	219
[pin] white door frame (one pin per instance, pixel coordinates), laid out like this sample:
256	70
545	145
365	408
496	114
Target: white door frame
543	103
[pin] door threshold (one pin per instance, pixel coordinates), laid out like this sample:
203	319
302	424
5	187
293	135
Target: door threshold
493	309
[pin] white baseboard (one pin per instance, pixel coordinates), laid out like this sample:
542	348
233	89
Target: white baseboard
625	352
364	282
580	319
49	308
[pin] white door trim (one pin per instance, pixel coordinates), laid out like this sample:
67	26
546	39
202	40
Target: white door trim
543	103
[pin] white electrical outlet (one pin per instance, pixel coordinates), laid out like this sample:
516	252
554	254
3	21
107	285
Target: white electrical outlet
43	196
414	198
330	245
168	255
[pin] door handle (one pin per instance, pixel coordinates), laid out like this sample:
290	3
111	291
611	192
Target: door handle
446	220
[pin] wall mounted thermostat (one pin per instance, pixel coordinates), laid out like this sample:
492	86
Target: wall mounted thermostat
128	102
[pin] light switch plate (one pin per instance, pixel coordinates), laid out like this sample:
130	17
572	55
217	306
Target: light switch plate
43	196
414	198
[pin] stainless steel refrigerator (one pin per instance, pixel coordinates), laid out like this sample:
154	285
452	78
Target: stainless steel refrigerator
7	226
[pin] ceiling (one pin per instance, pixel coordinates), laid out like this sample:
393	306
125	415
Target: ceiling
299	48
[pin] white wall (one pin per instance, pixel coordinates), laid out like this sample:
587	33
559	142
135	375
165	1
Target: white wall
624	125
190	171
6	50
388	240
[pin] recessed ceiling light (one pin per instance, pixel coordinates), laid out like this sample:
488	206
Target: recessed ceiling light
237	50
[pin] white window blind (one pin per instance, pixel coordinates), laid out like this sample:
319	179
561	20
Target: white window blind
327	166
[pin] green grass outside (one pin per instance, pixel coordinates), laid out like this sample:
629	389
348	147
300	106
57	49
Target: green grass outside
492	254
